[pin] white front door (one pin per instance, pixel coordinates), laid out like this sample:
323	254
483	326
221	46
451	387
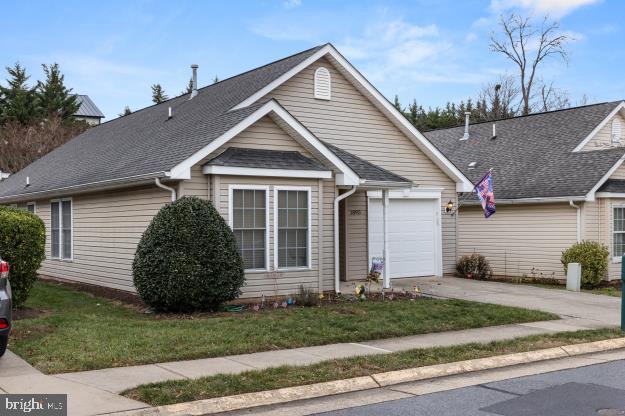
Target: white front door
412	235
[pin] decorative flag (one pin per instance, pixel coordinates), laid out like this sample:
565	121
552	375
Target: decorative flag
484	191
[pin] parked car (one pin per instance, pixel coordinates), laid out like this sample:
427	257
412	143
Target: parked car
5	306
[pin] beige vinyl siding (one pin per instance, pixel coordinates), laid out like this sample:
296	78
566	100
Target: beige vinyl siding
349	120
619	173
197	186
600	229
519	239
261	283
107	227
603	138
357	251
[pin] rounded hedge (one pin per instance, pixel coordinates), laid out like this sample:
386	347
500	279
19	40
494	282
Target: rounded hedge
188	259
474	266
22	244
593	257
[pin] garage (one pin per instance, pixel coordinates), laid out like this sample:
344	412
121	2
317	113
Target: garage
413	234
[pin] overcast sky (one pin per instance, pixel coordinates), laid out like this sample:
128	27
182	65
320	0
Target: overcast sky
431	50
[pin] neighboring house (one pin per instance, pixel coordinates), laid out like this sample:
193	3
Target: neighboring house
297	156
557	179
88	111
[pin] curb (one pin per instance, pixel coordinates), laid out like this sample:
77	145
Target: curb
311	391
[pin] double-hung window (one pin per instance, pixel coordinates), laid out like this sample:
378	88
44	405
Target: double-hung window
618	232
293	227
31	207
248	220
61	229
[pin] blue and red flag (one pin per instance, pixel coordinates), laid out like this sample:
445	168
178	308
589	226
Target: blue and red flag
484	191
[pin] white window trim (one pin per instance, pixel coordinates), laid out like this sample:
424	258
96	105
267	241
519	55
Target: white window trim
231	189
71	232
615	259
34	204
278	173
275	227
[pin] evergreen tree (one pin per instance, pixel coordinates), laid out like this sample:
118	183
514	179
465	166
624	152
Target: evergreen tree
215	80
54	97
18	101
158	94
397	104
126	112
189	88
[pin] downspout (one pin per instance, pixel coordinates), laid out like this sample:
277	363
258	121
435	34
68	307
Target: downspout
579	220
337	269
167	188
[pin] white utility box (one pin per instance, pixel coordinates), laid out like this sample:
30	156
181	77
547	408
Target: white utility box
574	277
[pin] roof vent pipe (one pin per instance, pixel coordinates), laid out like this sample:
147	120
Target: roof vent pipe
466	125
494	131
169	115
194	68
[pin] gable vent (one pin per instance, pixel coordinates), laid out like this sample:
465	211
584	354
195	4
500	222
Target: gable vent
322	84
616	131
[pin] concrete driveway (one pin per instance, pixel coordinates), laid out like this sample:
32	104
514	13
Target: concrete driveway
597	310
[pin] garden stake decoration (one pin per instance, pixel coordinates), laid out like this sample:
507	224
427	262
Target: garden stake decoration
360	292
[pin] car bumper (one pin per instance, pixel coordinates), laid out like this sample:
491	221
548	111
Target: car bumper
5	308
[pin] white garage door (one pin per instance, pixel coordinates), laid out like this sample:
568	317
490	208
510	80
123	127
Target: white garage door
411	236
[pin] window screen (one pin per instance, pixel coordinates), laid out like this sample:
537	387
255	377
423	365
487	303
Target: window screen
619	232
249	223
293	229
61	229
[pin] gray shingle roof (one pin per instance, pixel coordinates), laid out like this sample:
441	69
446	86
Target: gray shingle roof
87	107
613	185
265	159
532	156
365	170
146	143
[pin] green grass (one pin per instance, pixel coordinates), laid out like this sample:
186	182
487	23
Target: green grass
605	290
274	378
82	332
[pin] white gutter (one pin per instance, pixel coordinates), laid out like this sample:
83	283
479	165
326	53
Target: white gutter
158	183
337	269
579	220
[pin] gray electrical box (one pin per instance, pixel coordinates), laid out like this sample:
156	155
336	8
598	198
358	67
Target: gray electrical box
574	277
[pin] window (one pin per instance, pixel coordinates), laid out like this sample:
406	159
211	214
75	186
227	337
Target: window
616	131
293	234
30	207
322	84
249	223
618	232
61	229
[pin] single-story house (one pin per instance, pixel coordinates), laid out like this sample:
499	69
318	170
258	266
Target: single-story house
558	179
88	111
314	170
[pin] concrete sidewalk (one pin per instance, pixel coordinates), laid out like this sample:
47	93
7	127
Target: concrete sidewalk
578	310
18	377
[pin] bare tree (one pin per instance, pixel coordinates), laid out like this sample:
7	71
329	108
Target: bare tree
552	98
501	97
527	47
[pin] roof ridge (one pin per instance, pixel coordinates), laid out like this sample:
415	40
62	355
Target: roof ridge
527	115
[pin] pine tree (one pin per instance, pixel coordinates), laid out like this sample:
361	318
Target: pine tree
158	94
215	80
189	88
54	97
396	103
18	101
126	112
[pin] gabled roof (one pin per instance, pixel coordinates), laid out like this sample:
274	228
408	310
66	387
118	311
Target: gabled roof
87	107
265	159
146	143
533	156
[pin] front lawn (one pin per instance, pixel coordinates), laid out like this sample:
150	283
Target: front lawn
177	391
78	331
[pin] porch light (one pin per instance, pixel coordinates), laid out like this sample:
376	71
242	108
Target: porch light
449	207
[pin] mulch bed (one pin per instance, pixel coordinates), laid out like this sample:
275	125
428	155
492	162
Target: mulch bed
121	296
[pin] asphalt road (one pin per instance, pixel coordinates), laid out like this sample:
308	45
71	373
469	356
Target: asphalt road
593	390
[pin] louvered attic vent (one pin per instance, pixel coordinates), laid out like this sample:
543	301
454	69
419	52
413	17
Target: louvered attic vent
322	84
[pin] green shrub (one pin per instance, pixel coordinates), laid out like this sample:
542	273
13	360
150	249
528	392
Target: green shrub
593	257
474	266
22	244
187	259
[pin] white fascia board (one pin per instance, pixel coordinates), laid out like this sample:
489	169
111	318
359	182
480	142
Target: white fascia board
183	169
599	126
413	134
464	187
609	195
414	193
590	196
279	173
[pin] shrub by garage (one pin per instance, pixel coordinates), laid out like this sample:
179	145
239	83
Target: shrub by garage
593	257
474	266
22	245
187	259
